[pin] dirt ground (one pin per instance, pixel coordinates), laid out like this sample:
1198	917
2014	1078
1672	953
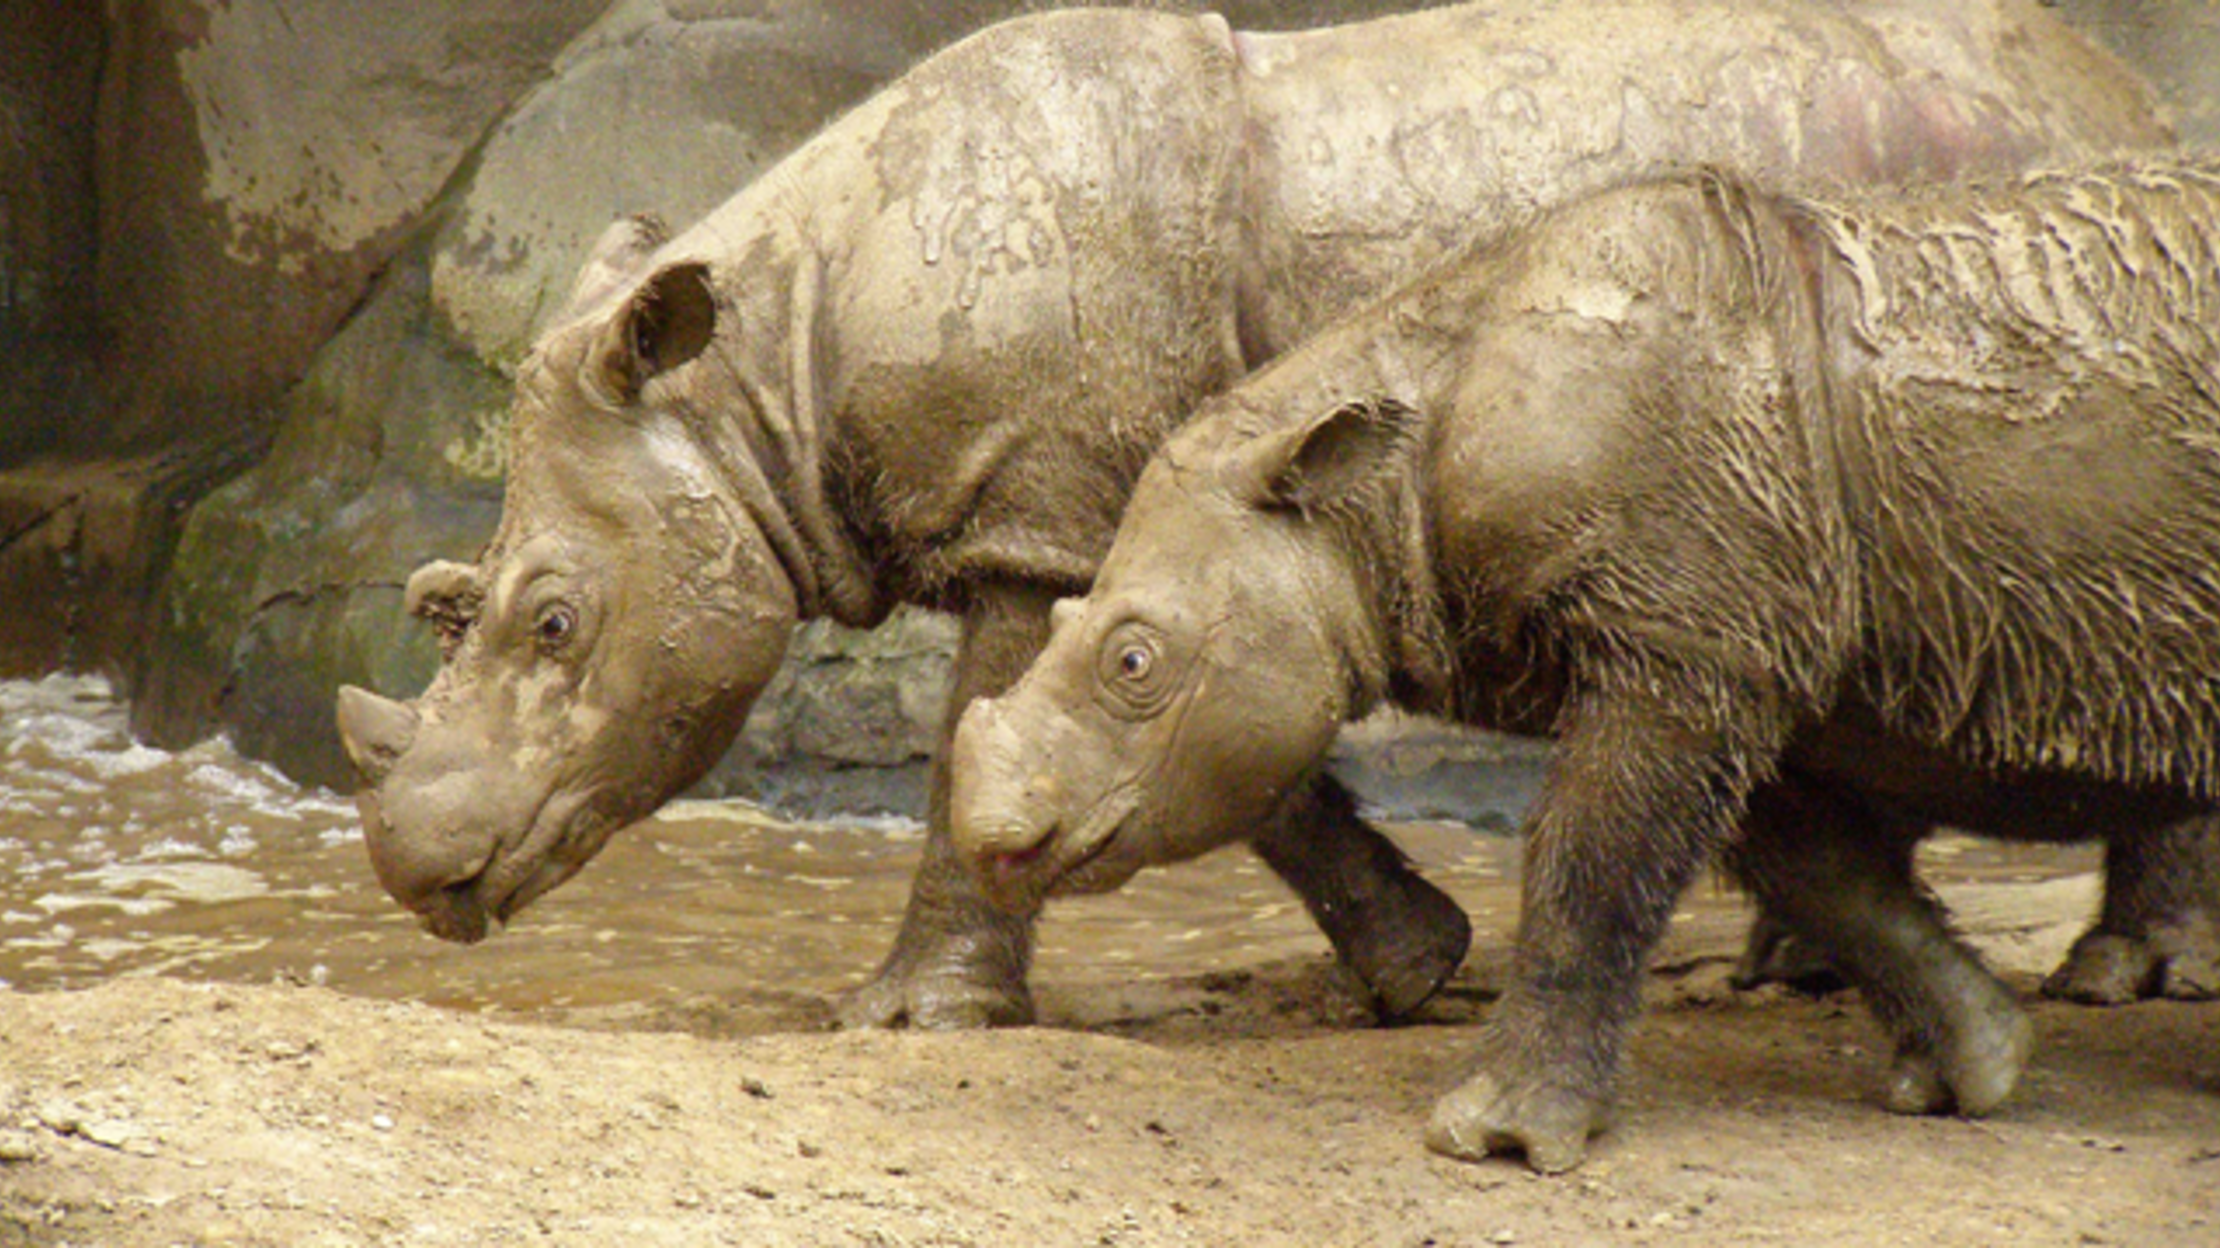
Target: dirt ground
1252	1106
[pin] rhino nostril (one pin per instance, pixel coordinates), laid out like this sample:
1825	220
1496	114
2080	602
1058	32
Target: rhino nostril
1043	791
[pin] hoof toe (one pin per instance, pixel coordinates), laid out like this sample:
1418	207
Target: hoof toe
1915	1086
934	1003
1550	1126
2104	969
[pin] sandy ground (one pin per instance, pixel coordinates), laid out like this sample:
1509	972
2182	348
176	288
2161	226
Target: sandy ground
1251	1106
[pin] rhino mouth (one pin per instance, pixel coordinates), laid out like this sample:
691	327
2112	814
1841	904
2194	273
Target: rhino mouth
1023	879
454	913
467	910
1068	863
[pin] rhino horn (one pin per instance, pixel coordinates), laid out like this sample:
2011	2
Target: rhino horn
377	731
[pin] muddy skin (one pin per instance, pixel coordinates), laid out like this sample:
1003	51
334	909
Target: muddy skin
1800	526
924	358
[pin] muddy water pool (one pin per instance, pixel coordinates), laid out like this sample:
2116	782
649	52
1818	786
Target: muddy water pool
118	860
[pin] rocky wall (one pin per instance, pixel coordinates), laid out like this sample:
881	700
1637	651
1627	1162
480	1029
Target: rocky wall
49	77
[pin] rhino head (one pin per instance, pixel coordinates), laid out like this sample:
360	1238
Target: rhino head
1179	704
635	599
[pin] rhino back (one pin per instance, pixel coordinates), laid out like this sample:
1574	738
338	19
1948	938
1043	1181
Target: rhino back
1041	248
1953	458
2025	385
1028	259
1360	169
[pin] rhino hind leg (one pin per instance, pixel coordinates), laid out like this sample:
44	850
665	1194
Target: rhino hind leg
1776	953
2158	934
1397	933
1841	875
2159	931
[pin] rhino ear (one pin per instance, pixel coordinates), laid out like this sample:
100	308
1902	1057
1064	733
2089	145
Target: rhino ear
1336	459
666	322
446	594
616	255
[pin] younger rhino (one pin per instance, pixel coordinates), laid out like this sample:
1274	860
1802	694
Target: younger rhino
924	358
1797	526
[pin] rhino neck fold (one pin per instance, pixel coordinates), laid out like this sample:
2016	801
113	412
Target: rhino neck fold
1253	344
1409	350
846	589
1394	643
776	457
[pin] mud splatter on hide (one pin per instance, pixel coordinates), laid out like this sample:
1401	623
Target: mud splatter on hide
2032	382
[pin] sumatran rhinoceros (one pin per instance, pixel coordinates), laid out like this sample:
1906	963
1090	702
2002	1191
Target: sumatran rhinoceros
924	357
1796	526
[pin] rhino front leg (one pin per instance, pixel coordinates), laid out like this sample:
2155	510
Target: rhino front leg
2159	931
1401	936
959	961
1629	813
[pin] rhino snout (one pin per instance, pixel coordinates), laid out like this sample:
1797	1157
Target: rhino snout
428	854
1005	804
376	731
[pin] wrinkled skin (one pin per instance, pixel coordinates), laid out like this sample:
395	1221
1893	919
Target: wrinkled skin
1682	479
924	358
577	690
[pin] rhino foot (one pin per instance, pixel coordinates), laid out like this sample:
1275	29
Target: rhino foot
2190	954
957	964
1914	1084
941	998
1405	955
2179	960
1398	934
2105	968
1549	1123
1970	1070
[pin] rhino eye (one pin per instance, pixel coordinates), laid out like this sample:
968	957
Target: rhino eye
1132	671
1135	662
555	626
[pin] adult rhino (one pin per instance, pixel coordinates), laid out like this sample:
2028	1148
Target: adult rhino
924	358
1799	526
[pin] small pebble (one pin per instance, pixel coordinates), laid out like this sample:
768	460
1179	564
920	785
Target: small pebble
16	1147
381	1122
61	1117
114	1133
